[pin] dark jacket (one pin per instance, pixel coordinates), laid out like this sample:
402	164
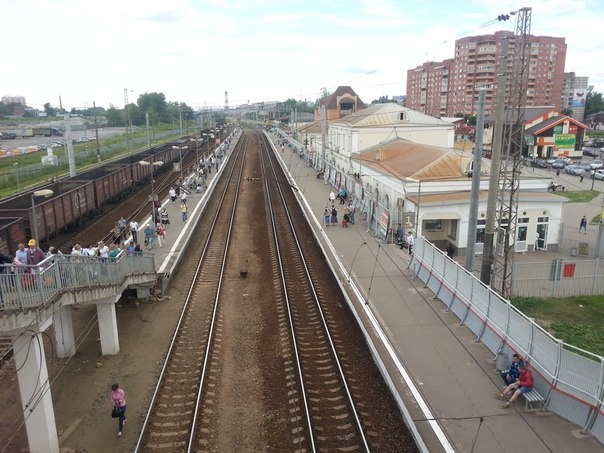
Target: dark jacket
514	372
5	259
35	256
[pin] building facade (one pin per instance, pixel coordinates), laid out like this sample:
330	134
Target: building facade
574	95
342	102
451	87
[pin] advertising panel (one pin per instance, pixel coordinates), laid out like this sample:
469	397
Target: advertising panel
579	98
565	140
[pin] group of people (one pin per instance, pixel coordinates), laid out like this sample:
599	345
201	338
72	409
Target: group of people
175	193
518	379
330	215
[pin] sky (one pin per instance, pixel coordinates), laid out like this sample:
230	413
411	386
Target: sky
72	53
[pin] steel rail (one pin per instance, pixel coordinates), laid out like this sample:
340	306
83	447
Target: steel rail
311	284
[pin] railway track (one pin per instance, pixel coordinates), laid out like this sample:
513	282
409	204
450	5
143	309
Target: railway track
133	205
266	354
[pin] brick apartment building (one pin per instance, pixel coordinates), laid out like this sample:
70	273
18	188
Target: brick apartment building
443	89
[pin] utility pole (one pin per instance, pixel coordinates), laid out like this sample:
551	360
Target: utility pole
489	232
324	130
148	134
476	172
96	133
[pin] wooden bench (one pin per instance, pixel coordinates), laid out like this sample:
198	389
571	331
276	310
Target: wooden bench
533	397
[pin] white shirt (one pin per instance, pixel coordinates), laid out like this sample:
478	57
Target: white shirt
21	256
134	225
410	239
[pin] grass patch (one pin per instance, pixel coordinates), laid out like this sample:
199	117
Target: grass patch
580	196
578	321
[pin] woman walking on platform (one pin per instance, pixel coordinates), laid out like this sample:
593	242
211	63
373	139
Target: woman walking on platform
118	400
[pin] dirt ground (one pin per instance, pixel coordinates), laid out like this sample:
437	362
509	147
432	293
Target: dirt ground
81	386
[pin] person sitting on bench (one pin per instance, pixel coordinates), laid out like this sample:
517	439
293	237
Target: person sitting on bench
524	384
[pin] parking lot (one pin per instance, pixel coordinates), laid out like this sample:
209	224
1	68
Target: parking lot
79	136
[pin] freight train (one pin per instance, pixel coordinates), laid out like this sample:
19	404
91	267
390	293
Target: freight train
72	201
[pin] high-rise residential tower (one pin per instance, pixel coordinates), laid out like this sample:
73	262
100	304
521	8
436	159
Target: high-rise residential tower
451	86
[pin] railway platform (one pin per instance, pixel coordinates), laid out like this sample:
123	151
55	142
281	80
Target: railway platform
30	303
446	378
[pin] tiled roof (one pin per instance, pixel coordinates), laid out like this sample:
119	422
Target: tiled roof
551	122
389	115
403	158
332	100
313	127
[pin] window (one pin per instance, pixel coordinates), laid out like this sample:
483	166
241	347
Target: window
433	226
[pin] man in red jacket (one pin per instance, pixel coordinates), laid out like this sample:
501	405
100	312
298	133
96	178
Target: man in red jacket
524	384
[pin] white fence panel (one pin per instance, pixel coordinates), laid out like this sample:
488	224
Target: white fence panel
570	379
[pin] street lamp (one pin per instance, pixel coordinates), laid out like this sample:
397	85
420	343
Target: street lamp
210	136
196	140
17	174
180	148
38	193
419	194
152	198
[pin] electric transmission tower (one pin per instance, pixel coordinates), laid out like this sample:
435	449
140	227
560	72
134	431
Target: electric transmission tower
511	162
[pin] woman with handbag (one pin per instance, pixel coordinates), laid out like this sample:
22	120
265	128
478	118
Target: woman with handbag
118	400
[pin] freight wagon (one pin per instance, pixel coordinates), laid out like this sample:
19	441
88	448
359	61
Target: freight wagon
74	201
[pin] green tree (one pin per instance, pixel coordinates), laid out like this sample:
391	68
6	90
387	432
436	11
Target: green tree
292	104
50	111
115	117
4	109
156	106
383	100
593	103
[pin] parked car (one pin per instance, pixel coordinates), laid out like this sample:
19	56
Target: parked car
559	163
539	163
592	147
581	167
569	169
598	174
596	164
7	135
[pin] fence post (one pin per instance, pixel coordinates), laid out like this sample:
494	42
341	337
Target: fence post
595	277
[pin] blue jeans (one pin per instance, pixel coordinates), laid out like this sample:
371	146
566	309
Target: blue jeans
121	419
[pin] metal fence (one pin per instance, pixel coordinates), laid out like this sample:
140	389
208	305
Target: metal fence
579	242
25	287
571	380
559	277
20	175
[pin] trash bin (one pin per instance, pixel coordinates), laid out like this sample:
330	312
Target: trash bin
573	251
502	361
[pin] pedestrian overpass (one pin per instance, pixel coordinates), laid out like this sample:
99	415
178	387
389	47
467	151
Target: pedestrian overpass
32	298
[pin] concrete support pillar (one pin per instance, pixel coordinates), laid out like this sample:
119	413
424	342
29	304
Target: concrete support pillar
36	400
63	325
110	342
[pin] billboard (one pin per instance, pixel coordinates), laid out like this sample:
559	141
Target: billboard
579	97
563	141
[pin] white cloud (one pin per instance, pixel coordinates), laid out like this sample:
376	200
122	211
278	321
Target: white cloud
257	50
